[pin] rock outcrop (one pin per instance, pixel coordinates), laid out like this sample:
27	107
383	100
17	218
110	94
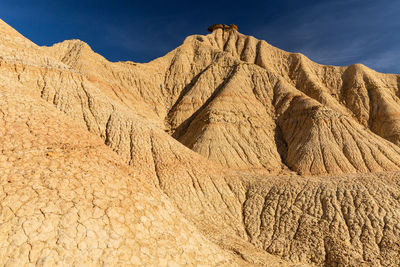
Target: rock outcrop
226	151
224	27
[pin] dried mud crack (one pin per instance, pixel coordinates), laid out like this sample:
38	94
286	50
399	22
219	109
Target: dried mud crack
226	151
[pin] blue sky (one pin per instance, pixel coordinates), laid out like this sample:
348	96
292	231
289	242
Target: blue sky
336	32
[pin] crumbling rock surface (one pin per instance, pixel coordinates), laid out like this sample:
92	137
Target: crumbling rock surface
345	221
226	151
67	199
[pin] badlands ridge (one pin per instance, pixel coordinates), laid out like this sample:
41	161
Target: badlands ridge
226	151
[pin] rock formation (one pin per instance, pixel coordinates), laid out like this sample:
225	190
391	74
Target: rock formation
224	27
226	151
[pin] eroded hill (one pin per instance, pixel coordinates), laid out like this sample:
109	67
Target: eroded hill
262	156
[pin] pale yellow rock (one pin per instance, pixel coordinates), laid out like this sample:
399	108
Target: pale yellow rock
226	151
54	236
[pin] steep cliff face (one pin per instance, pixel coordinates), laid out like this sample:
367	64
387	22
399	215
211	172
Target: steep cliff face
222	130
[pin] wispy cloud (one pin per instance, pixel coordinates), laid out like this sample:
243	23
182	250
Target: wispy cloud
341	33
385	61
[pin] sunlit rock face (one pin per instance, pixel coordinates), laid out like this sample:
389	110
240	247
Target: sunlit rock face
226	151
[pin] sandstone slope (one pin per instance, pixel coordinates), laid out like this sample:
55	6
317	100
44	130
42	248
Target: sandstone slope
67	199
223	125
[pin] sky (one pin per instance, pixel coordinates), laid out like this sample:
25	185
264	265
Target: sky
332	32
